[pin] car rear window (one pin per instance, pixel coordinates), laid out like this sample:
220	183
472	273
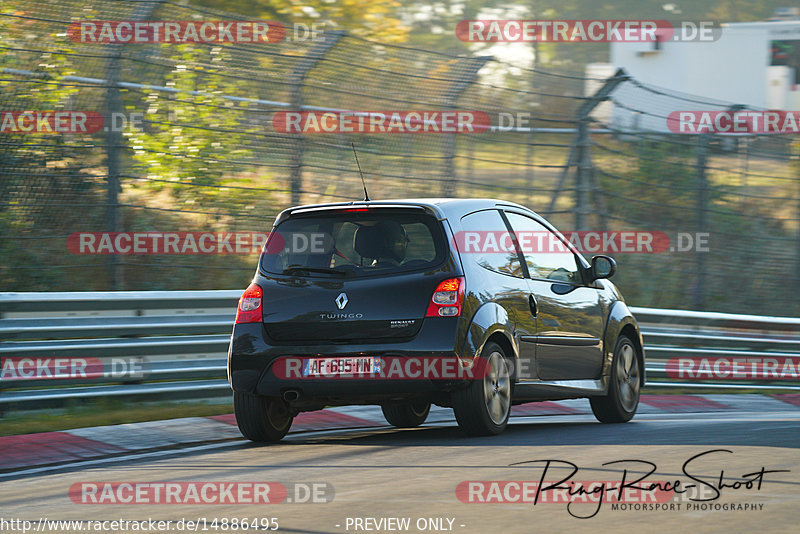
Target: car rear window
355	243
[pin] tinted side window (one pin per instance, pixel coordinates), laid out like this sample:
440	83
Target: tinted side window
546	255
485	241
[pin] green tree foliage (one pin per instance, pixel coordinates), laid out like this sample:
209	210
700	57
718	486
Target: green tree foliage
373	19
46	179
191	134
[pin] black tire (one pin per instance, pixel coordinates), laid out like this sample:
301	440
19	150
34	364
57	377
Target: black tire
261	419
407	415
619	405
483	407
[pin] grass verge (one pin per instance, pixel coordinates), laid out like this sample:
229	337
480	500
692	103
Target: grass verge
105	412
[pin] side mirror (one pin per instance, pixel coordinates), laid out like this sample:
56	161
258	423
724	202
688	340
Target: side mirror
603	267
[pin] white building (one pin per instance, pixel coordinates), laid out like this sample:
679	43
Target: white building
756	64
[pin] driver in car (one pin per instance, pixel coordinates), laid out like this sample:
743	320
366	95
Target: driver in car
394	241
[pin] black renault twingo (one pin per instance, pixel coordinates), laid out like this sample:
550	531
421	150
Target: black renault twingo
471	304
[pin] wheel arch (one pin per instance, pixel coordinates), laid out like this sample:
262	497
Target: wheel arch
621	321
503	339
490	323
632	332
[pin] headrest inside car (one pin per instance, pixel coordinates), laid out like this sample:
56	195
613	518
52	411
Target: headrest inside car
368	242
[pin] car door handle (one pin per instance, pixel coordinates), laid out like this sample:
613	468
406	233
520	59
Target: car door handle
533	305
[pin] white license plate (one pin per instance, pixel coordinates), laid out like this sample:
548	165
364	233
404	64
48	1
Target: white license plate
350	365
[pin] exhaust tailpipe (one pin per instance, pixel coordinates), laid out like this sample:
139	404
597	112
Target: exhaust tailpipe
291	395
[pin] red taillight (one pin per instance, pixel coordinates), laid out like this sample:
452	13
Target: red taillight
249	310
446	301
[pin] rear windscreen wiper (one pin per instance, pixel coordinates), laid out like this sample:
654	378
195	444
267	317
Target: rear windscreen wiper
294	269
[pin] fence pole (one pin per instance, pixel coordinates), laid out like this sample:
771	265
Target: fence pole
529	163
470	142
296	81
115	142
573	155
701	204
581	176
469	74
530	156
578	153
797	256
113	162
596	190
407	148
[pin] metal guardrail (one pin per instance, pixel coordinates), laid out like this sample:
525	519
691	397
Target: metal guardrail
182	338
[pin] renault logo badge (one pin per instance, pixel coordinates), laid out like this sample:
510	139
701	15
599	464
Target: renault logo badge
341	300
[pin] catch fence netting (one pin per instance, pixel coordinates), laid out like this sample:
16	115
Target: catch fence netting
208	156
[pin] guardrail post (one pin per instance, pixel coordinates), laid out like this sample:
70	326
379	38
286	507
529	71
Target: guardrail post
470	72
296	80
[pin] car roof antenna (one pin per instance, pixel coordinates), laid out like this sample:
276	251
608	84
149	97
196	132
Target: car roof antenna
366	195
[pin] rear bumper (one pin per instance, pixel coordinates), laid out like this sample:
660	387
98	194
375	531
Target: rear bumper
252	355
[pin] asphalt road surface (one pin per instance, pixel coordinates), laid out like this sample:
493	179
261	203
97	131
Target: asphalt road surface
391	480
